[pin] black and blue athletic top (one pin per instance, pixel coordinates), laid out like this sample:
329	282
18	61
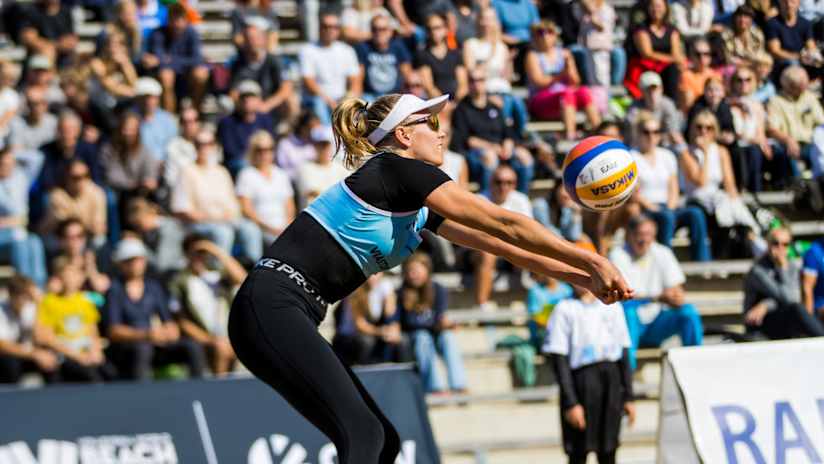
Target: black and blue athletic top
367	223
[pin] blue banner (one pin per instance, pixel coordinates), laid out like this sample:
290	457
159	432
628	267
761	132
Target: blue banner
231	421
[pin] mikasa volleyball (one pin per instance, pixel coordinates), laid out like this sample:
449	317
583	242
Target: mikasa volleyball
600	173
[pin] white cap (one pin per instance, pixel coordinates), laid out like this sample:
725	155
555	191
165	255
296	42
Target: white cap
322	134
649	79
147	86
129	248
248	87
406	106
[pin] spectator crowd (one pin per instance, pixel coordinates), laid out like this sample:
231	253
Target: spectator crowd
139	182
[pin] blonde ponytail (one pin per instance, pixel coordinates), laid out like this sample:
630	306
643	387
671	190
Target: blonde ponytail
352	122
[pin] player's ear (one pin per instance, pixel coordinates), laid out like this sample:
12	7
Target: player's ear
403	134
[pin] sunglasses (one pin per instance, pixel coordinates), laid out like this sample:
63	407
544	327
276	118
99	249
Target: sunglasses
545	31
704	127
743	79
779	244
381	29
264	148
650	131
432	121
703	53
330	26
504	181
79	176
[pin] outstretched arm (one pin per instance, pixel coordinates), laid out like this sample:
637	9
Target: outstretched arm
475	239
452	202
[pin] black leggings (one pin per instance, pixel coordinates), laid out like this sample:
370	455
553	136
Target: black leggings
274	337
603	458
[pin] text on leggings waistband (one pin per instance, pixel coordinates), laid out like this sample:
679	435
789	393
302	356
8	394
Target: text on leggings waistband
293	274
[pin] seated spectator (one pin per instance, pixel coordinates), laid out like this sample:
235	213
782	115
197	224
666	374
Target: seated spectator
157	126
258	13
151	15
114	75
659	310
692	18
466	20
660	106
296	148
234	130
129	167
554	83
329	69
47	28
772	294
264	190
422	304
541	299
708	182
813	279
518	18
202	296
67	324
790	40
314	177
31	129
441	69
752	154
693	80
501	192
367	327
205	201
454	164
384	62
23	248
18	351
596	39
765	89
40	72
356	20
73	243
792	117
67	147
713	100
655	46
413	13
140	326
10	101
484	136
489	55
173	52
658	192
744	42
180	152
161	234
80	198
559	213
255	63
126	23
589	344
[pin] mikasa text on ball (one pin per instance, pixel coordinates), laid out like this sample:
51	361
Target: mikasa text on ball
600	173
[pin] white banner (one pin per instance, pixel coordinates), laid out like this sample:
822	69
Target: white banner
760	403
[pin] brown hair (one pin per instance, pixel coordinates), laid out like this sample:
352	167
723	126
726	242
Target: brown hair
352	122
703	115
19	285
421	298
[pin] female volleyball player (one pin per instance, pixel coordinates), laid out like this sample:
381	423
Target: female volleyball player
367	223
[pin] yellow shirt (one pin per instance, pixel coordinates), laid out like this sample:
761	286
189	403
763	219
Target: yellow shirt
795	118
72	318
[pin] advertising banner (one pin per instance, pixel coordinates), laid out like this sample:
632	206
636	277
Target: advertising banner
760	403
231	421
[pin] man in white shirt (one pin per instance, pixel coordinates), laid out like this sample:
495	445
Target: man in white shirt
502	192
329	69
659	310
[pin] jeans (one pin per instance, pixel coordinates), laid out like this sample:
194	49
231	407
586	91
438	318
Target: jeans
481	172
586	65
669	220
790	321
135	361
684	321
319	107
515	109
225	234
26	253
427	346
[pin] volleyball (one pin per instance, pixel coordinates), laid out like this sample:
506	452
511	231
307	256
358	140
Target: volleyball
600	173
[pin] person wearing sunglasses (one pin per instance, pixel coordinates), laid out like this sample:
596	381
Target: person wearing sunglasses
77	197
370	222
709	183
744	41
385	62
484	135
658	192
693	80
772	293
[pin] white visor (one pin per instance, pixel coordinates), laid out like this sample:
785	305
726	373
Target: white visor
407	105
